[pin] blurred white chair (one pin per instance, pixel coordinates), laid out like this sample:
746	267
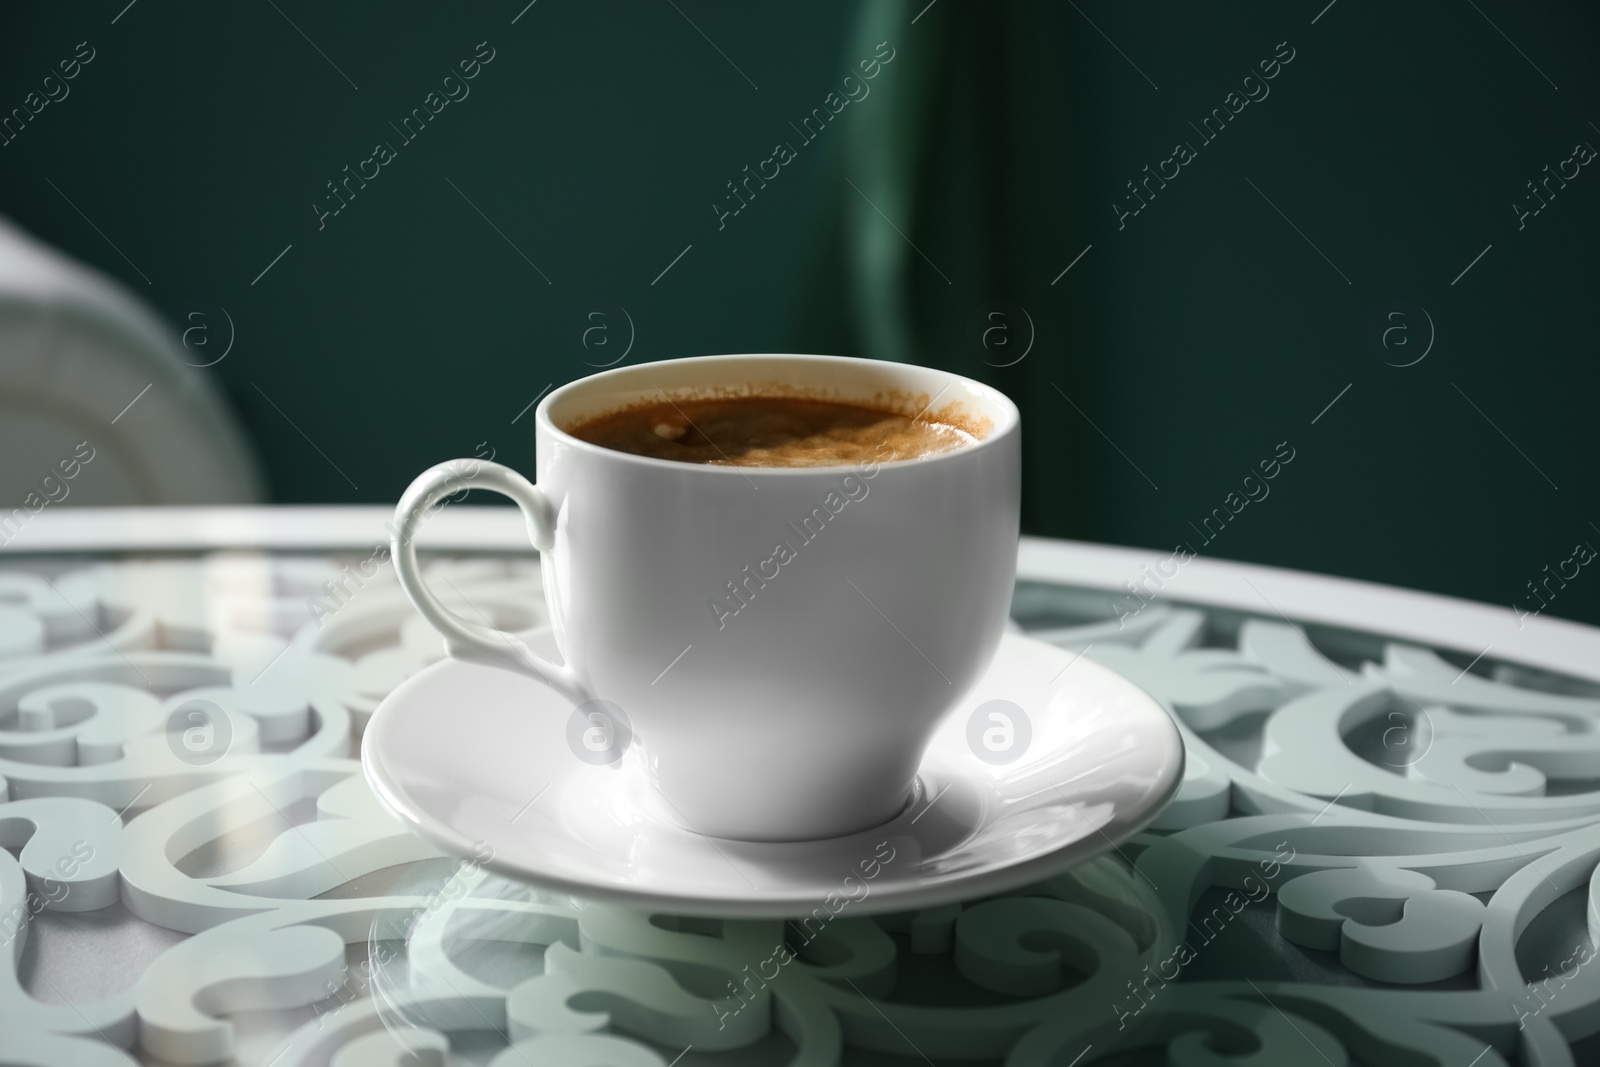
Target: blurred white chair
75	349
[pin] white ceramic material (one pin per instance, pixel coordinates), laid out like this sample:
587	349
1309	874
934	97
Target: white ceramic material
1101	759
783	641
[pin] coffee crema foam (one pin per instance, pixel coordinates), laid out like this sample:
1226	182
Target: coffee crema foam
770	431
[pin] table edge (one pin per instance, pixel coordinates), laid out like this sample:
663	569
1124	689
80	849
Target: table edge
1429	619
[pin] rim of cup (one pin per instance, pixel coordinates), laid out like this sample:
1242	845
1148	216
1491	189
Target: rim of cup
996	406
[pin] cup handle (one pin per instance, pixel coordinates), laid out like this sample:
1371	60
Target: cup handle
465	640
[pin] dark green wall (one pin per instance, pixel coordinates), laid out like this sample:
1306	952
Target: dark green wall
1196	338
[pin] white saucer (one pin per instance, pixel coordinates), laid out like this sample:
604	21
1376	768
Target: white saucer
476	759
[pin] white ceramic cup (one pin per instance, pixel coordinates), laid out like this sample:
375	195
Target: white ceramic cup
782	641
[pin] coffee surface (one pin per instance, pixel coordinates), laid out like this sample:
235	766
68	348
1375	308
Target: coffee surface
769	431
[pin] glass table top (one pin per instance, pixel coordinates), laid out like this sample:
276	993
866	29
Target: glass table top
1384	850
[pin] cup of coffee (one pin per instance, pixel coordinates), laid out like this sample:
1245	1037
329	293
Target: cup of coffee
783	570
